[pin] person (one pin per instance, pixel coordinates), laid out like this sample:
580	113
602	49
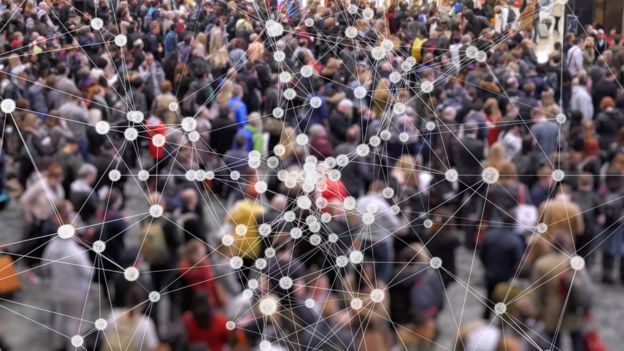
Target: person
560	313
205	326
129	328
70	272
574	57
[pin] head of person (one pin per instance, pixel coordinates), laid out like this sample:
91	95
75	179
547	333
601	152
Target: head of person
88	173
55	175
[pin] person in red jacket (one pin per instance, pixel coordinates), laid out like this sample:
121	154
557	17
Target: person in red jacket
204	326
195	270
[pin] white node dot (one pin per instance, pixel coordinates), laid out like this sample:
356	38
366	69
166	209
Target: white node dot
131	274
342	261
296	233
426	86
332	238
247	293
352	9
387	192
387	44
315	239
285	283
101	324
278	112
326	217
102	127
264	229
200	175
289	216
563	2
315	227
143	175
435	262
395	209
356	257
368	13
395	77
114	175
306	71
279	56
309	303
374	141
349	203
210	175
304	202
427	223
260	263
403	137
273	28
471	52
97	23
234	175
227	240
368	218
342	160
290	94
254	163
430	126
377	295
302	139
121	40
356	303
481	56
561	118
236	262
309	22
321	202
362	150
154	296
351	32
268	306
193	136
269	252
240	229
285	77
451	175
385	135
173	106
558	175
542	228
265	345
273	162
230	325
77	341
156	211
316	102
190	175
253	284
577	263
131	134
261	187
490	175
7	105
66	231
159	140
99	246
398	108
334	175
188	124
360	92
378	53
500	308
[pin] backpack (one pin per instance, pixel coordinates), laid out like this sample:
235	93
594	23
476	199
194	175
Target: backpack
154	248
417	48
574	287
613	209
120	335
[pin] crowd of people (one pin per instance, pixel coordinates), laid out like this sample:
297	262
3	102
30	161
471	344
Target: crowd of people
351	148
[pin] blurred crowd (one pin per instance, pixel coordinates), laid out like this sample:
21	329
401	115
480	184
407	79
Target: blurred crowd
346	145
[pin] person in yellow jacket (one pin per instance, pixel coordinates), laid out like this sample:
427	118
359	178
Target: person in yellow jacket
241	220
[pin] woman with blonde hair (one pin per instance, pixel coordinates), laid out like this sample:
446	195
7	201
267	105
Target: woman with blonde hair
220	62
496	156
381	96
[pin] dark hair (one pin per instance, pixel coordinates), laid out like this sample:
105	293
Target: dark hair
201	309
